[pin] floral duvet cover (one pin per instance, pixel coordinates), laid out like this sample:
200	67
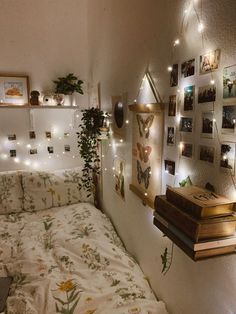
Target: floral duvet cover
70	260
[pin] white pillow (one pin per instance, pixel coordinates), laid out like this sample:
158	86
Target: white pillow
44	190
11	192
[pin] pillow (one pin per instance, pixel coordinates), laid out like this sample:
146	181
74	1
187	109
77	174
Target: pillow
11	192
44	190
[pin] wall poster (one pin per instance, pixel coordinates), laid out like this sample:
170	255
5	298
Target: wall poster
147	151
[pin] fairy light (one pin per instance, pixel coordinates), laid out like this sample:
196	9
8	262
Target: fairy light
135	100
145	194
178	90
16	160
4	156
49	157
28	146
181	145
35	165
105	169
212	82
113	168
57	156
200	27
73	157
224	157
127	121
103	156
176	42
169	68
121	140
27	162
18	143
77	116
214	120
234	121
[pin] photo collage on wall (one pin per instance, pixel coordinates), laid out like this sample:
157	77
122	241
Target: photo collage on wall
203	96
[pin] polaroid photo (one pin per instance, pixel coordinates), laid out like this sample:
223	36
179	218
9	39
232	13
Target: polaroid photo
172	106
170	140
186	124
169	167
206	153
48	134
228	119
11	137
188	68
227	156
187	150
189	94
206	94
207	124
209	62
174	76
229	82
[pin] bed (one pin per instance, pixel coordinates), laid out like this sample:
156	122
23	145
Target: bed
62	253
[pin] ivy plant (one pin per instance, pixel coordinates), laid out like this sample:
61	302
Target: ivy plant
68	85
88	139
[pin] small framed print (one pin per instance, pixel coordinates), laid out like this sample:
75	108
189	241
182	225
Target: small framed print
228	119
207	153
227	156
172	106
32	135
14	90
188	68
169	167
229	82
187	150
170	140
50	150
66	134
33	151
11	137
206	94
207	124
189	94
186	124
48	134
67	148
209	61
12	153
174	75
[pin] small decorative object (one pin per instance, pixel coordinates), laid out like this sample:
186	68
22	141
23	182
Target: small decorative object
187	68
174	76
34	98
229	82
206	94
172	106
189	97
14	90
209	61
59	99
48	98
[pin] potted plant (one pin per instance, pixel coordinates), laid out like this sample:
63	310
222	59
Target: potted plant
88	141
67	86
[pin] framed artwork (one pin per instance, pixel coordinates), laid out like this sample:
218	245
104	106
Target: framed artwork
229	82
209	61
170	140
207	124
32	135
11	137
174	76
227	156
228	119
118	115
186	124
14	90
188	68
187	150
33	151
189	94
206	94
172	106
119	168
12	153
206	153
147	151
169	167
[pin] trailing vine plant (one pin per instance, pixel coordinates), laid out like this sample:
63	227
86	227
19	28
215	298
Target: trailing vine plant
88	140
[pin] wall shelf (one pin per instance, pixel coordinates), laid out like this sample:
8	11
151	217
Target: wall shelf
37	107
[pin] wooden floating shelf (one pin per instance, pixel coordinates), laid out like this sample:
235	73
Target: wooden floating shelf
37	107
147	108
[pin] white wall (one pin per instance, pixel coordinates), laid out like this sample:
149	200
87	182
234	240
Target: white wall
125	37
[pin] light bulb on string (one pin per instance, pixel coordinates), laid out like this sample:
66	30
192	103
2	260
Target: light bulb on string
176	42
169	68
200	27
212	82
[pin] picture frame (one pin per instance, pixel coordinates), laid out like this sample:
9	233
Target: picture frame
174	75
189	97
14	90
209	61
172	106
187	150
228	118
188	68
169	166
207	153
170	139
229	82
119	174
227	157
207	129
206	93
186	124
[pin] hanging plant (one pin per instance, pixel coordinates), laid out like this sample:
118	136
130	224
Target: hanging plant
88	139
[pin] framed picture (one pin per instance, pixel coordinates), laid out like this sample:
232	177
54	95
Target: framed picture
189	93
187	150
170	140
169	167
206	94
227	156
14	90
207	124
174	76
206	153
228	119
209	61
229	82
188	68
33	151
32	135
186	124
119	169
11	137
172	106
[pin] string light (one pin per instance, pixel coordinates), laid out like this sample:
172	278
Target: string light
169	69
200	27
176	42
145	194
127	121
212	82
16	160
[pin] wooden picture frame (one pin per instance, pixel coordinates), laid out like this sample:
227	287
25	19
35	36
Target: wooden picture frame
14	90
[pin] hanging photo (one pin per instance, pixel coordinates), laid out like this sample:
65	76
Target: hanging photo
189	93
187	150
206	153
206	94
169	167
66	134
207	124
67	148
119	168
174	76
229	82
186	124
170	141
12	153
227	156
32	135
48	134
188	68
33	151
209	62
228	119
172	106
50	150
11	137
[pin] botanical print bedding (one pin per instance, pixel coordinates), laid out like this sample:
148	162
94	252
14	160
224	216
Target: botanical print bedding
70	260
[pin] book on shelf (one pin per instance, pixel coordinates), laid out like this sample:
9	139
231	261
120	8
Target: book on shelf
196	229
196	251
199	202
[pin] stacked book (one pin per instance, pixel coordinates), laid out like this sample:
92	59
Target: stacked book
200	222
